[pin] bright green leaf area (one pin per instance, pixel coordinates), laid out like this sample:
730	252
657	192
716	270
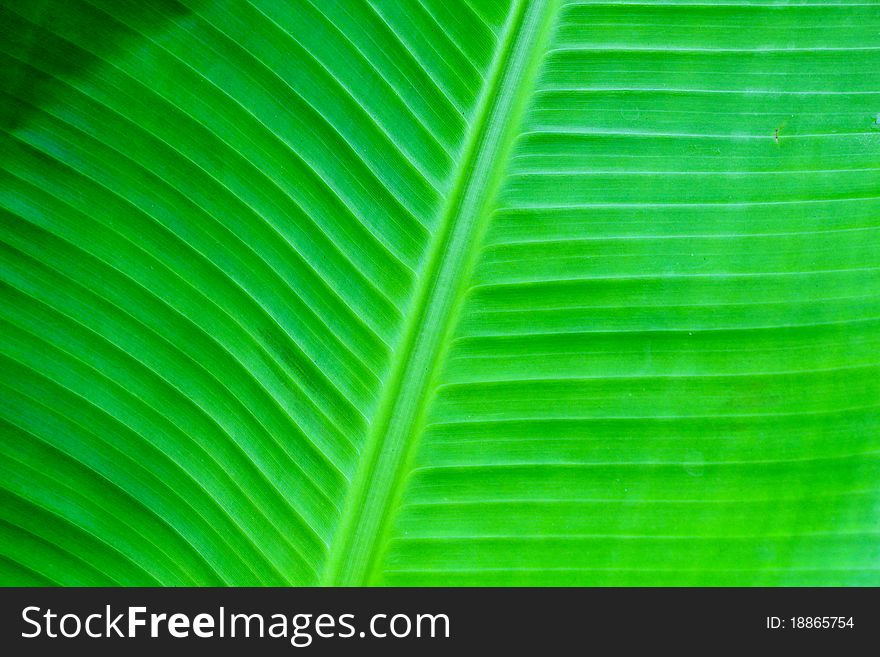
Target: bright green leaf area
440	292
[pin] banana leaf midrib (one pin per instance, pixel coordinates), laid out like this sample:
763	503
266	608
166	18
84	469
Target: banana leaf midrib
394	432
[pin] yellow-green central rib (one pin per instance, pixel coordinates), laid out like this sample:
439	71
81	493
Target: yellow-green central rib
377	483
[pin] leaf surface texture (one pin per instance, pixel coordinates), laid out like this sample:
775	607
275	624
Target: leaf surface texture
444	293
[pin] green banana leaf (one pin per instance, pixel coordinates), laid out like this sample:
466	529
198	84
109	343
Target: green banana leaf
440	292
